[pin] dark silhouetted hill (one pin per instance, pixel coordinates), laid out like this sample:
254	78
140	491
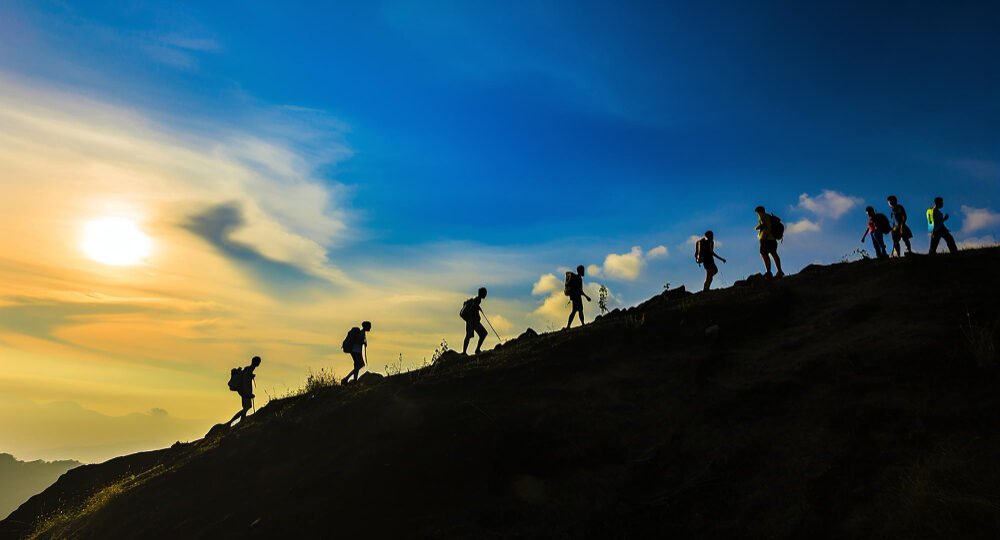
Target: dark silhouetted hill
849	401
22	479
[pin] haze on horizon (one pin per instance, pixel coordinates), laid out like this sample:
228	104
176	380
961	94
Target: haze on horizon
184	187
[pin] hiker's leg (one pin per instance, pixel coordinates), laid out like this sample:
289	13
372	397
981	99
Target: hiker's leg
935	238
468	337
895	244
359	363
950	240
777	261
572	314
879	244
481	330
767	262
909	248
241	412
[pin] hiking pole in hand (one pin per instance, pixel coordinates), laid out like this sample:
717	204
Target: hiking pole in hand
491	328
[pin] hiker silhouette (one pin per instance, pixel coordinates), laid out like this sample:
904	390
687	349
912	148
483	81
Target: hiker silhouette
769	231
935	223
241	382
356	344
574	290
900	230
878	225
471	314
705	255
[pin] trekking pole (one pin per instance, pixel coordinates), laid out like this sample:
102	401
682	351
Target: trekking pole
491	328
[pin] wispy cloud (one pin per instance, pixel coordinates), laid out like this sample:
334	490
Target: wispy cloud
980	169
191	43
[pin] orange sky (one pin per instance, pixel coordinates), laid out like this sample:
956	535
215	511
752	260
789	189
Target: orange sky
106	344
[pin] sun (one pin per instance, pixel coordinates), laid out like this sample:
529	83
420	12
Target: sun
115	242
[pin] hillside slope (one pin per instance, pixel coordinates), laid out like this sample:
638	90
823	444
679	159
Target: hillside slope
852	400
22	479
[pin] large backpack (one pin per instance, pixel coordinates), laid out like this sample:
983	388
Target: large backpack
573	284
777	227
697	250
352	339
236	379
882	223
468	309
930	220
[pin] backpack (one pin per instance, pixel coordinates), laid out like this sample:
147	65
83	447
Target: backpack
352	339
236	379
568	285
930	220
777	227
697	251
882	223
468	309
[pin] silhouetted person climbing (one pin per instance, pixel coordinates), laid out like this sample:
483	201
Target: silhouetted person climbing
935	224
704	254
878	225
900	230
574	290
470	313
241	382
769	231
356	343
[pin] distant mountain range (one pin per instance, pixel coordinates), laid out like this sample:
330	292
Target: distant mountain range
22	479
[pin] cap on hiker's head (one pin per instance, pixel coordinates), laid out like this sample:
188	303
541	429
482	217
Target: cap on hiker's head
367	325
709	234
482	292
759	209
869	210
892	199
255	360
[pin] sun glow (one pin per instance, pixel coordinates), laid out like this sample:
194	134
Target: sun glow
115	242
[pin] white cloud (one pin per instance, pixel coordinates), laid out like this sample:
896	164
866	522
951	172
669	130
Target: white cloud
802	226
594	271
829	203
693	239
977	242
546	284
977	219
657	252
626	266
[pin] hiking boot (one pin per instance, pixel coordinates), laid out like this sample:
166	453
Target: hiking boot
780	274
768	275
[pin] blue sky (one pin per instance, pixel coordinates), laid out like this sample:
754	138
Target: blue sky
585	124
390	157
